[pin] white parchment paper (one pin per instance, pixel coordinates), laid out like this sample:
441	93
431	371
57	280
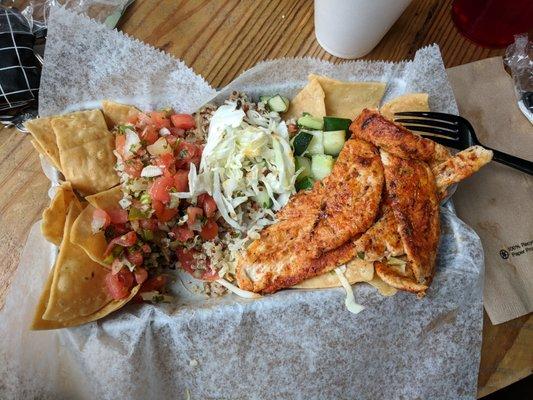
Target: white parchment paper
291	345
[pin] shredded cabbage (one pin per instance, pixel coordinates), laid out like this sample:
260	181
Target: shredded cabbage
247	159
349	302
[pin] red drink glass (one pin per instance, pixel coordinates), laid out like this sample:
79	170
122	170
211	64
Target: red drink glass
492	23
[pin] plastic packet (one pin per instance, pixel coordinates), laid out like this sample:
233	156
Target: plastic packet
519	59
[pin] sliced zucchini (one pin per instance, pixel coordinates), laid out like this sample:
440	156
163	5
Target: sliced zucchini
316	146
301	142
278	103
321	165
310	122
336	124
264	99
304	164
263	199
304	184
333	142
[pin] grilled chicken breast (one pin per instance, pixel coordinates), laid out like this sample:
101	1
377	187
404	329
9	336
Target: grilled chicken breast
341	206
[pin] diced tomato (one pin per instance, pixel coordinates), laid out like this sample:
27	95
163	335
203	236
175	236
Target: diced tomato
114	230
186	259
188	153
133	119
126	240
210	275
133	167
209	230
155	283
120	143
117	265
208	204
160	189
182	233
119	285
177	132
183	121
143	120
149	134
292	128
163	213
181	180
171	140
160	120
146	248
135	257
140	274
150	224
192	214
166	161
117	215
101	220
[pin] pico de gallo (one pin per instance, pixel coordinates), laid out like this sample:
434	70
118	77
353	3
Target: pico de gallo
192	208
152	227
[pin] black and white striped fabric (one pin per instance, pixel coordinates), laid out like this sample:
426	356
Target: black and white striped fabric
19	68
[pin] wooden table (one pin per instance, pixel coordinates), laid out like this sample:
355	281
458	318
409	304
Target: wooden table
219	40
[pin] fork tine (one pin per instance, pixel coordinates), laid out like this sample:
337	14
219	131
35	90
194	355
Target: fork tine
429	114
435	131
429	122
444	141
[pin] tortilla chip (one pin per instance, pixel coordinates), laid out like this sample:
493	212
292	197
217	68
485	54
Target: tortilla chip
78	286
356	271
44	136
310	99
39	323
86	151
106	199
116	113
406	102
348	99
55	215
94	244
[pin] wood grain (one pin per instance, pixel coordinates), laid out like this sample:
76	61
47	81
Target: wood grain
219	40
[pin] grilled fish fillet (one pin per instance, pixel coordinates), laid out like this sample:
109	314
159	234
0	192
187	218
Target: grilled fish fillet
290	251
374	128
338	208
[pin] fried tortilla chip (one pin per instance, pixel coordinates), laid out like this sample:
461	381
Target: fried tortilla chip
106	199
406	102
44	136
116	113
310	99
55	214
357	271
94	244
348	99
39	323
86	151
78	287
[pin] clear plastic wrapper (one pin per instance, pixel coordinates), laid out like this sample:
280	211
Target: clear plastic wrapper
293	344
519	59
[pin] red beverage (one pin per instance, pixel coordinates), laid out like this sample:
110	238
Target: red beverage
492	23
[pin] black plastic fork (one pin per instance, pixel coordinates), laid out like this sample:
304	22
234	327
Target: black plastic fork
456	132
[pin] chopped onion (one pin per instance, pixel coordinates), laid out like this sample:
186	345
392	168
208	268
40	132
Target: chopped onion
150	171
160	146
